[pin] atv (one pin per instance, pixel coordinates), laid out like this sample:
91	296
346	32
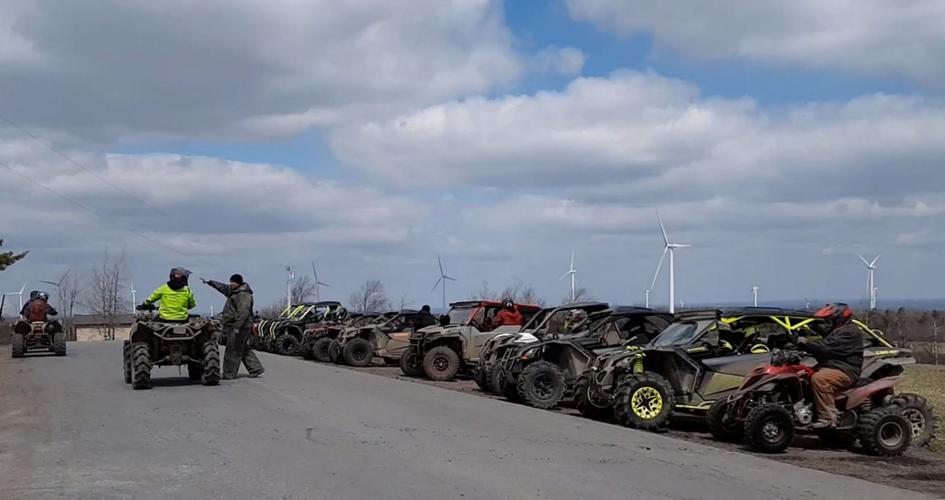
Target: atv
551	320
317	338
776	400
153	342
283	335
387	340
335	351
541	374
441	351
37	336
702	358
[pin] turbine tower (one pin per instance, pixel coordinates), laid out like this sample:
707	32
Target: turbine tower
870	280
754	295
646	298
571	272
318	284
288	287
669	248
441	281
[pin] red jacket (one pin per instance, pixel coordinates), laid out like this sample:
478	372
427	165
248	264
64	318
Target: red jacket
506	317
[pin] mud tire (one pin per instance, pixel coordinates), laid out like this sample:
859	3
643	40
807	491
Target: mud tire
541	385
17	345
320	349
59	343
769	428
441	363
359	352
921	417
482	379
141	366
335	352
884	432
501	382
721	424
126	360
584	402
287	345
644	401
409	365
210	374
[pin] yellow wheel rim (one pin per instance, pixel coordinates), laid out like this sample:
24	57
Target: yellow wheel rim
646	403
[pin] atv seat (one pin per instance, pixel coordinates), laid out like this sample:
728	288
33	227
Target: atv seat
855	395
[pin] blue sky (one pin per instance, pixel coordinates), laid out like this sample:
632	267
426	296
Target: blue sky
782	140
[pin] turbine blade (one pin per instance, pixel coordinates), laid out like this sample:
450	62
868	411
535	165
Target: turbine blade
438	280
865	262
449	278
440	262
682	246
662	228
323	284
24	286
572	260
314	272
53	283
873	263
565	275
658	267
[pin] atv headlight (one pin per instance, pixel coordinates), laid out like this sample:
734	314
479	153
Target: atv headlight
529	354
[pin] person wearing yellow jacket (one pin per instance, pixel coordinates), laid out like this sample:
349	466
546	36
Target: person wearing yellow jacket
175	297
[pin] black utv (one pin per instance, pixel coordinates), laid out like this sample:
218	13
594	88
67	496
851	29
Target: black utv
543	373
37	336
153	342
703	357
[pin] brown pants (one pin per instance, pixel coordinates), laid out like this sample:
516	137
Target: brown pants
826	383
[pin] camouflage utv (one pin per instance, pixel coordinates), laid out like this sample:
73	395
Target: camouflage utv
37	336
442	351
317	338
384	339
153	342
283	335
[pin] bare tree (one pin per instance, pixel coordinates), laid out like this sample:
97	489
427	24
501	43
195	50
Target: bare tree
272	311
104	296
935	318
67	296
369	298
580	295
522	293
484	292
404	302
303	290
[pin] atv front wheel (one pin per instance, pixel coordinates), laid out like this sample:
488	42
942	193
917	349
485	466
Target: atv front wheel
502	385
884	431
359	352
769	428
211	364
287	345
722	423
482	379
18	345
305	348
541	385
59	343
586	400
335	354
441	363
920	415
141	366
126	360
409	364
320	349
644	401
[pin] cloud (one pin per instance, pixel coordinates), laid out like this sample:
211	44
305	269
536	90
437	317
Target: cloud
879	37
563	60
241	68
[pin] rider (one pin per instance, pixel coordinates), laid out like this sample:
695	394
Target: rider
575	318
38	308
425	318
509	315
839	360
175	297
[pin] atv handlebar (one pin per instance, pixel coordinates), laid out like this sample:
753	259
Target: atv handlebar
145	307
784	357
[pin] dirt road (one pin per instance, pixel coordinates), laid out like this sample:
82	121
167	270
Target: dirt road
72	429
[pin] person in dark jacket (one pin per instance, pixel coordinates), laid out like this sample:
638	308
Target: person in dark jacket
38	308
425	318
237	322
839	361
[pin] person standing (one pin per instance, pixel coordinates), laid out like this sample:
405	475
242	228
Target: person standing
237	320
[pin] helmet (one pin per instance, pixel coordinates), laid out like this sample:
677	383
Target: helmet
43	295
180	271
836	315
34	294
508	304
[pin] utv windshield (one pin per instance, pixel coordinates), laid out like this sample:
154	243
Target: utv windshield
677	334
460	315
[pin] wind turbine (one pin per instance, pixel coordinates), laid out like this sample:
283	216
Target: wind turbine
441	281
19	294
572	272
871	280
754	294
288	287
670	248
318	284
134	299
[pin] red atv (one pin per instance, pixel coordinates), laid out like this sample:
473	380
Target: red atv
775	401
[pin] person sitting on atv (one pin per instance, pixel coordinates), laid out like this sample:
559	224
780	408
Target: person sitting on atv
38	308
509	315
839	360
175	297
425	318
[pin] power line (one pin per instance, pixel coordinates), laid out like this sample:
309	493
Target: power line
81	166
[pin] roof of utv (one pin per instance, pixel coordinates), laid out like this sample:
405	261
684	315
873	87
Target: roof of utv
493	303
743	311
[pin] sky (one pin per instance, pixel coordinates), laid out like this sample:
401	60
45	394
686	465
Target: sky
780	139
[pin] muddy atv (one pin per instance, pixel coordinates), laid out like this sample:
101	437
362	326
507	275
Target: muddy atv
442	351
386	340
776	401
335	352
317	338
548	321
37	336
702	358
543	373
154	342
283	335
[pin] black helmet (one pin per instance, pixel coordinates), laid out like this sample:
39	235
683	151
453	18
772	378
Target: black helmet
836	315
34	294
508	304
180	272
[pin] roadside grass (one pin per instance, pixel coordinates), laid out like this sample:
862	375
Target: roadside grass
929	381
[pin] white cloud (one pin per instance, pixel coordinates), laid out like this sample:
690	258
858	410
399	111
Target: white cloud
872	36
563	60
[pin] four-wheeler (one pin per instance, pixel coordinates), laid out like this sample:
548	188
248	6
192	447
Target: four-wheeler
153	342
540	374
551	320
776	400
317	338
335	352
703	357
283	335
441	351
385	339
37	336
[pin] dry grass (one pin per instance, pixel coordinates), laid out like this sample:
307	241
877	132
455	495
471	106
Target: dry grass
929	381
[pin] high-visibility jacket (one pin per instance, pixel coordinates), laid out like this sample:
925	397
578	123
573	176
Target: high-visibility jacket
175	304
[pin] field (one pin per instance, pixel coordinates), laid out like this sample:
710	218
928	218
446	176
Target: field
929	381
